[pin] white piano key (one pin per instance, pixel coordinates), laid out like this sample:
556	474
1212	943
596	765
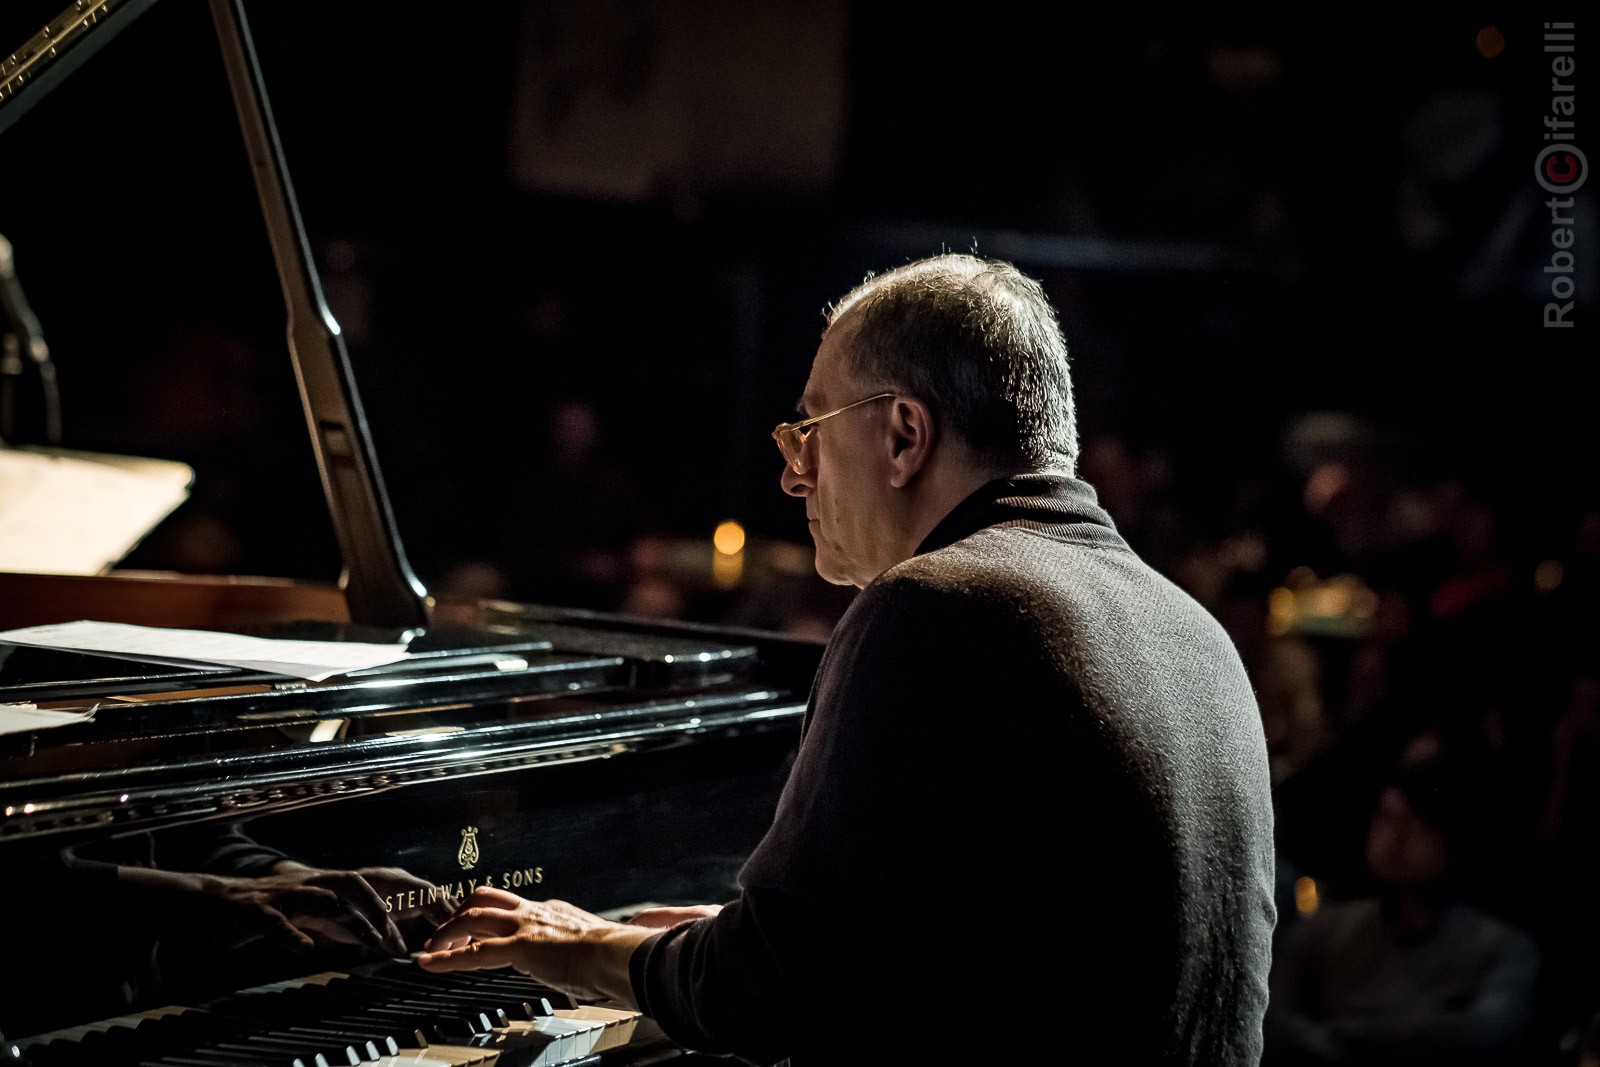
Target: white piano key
620	1023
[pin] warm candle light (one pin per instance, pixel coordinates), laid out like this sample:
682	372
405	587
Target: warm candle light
1305	895
729	538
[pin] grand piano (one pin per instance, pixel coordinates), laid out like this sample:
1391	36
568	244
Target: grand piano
232	867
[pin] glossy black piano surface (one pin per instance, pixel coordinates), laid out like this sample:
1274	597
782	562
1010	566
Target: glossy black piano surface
571	756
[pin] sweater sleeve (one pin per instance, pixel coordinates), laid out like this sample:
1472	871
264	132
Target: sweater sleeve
852	833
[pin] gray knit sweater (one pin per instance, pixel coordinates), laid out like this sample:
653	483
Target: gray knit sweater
1030	816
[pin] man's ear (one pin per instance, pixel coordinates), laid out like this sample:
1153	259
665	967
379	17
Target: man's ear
912	439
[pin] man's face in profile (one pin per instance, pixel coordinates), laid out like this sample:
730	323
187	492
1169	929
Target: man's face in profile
845	478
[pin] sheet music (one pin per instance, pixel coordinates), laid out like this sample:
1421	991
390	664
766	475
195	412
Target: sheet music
23	718
312	660
67	512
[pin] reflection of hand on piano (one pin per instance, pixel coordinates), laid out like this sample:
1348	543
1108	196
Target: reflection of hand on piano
551	941
296	908
394	883
333	907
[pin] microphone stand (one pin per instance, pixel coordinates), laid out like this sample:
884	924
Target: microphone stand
21	345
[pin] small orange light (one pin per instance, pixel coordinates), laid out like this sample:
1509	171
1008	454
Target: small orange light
1305	896
1491	42
1280	611
729	538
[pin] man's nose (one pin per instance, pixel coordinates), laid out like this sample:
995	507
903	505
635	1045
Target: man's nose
795	484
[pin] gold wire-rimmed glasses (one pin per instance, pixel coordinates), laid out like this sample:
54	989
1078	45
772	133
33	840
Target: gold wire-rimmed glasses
791	436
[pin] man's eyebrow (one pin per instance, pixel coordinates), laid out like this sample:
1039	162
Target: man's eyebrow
801	408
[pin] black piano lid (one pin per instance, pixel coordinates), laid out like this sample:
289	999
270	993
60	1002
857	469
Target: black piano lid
72	35
379	586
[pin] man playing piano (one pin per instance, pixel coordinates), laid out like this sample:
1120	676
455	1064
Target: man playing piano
1030	812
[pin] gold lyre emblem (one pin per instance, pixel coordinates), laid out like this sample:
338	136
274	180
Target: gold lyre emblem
468	856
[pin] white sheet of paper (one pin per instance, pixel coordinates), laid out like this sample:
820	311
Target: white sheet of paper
21	718
69	512
312	660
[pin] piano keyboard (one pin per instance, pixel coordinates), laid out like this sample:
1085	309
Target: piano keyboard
390	1015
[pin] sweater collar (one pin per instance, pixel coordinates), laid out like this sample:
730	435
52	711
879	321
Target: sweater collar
1058	503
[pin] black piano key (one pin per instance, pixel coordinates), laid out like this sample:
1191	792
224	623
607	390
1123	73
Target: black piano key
335	1050
514	1049
168	1035
406	1023
411	990
213	1057
380	1042
434	1019
266	1051
367	1048
542	1000
381	1029
111	1045
90	1049
79	1053
378	993
58	1053
507	980
460	1031
211	1034
428	1016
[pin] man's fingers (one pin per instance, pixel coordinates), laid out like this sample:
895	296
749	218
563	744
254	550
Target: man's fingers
477	923
478	955
437	912
488	894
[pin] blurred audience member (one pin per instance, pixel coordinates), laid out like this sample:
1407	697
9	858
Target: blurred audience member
1478	580
1589	1046
1378	662
1570	827
1131	487
1409	975
1569	587
1572	806
1286	674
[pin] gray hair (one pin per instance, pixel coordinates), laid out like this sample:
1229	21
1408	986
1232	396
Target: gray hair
978	342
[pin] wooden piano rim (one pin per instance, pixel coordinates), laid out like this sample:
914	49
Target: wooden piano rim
158	598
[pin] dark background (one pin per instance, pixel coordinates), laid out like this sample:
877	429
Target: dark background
1240	221
570	374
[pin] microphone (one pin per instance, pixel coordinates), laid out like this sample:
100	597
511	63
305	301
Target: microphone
26	339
